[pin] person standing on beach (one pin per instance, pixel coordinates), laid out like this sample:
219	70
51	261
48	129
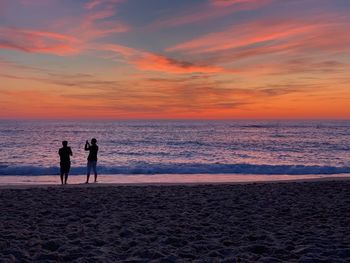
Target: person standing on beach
92	158
65	153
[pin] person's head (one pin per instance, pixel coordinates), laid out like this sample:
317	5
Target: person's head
93	141
64	143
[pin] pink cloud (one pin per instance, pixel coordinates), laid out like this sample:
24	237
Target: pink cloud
75	35
91	4
37	41
224	3
98	21
122	50
246	34
97	24
271	36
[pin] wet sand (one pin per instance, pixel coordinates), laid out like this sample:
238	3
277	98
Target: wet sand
120	179
259	222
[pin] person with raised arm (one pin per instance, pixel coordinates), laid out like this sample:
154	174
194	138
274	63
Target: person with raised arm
92	158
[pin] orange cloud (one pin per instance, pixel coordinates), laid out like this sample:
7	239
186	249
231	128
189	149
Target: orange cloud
160	63
37	41
294	66
298	67
152	62
70	95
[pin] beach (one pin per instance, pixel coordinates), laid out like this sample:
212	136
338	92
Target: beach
256	222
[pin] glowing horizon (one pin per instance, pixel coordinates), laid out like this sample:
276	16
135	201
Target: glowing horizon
195	59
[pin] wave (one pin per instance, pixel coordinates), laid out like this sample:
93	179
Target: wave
182	168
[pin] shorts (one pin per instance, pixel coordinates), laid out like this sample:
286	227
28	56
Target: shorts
65	167
91	165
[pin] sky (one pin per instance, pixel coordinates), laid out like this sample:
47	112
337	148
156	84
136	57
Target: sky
167	59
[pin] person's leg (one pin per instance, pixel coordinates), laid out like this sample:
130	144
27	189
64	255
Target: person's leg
62	177
88	172
66	173
95	171
61	172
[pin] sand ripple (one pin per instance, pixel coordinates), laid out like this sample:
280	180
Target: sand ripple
279	222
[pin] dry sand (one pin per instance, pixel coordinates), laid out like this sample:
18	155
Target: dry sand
265	222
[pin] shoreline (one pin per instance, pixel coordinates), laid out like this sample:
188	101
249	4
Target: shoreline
146	180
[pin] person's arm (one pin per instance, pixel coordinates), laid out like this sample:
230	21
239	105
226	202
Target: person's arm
70	151
87	146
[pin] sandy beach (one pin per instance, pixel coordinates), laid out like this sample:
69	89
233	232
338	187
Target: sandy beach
260	222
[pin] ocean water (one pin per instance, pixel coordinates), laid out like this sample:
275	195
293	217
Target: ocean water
179	147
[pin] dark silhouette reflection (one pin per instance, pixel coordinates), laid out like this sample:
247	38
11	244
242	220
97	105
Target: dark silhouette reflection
92	158
65	152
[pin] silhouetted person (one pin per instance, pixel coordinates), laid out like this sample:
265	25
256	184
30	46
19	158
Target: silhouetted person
92	158
65	152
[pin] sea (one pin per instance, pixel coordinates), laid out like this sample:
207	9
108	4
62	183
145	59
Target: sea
169	148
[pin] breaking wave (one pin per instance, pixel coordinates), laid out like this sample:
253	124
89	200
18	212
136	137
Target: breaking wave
182	168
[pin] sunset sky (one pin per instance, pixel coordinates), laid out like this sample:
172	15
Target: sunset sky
159	59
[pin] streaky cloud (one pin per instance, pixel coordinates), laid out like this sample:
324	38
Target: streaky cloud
37	41
153	62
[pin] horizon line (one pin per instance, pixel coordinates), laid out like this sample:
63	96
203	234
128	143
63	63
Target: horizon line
175	119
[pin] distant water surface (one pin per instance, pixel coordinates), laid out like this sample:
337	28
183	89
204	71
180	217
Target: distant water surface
179	147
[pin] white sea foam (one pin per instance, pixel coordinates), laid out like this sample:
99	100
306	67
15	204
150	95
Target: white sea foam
183	169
